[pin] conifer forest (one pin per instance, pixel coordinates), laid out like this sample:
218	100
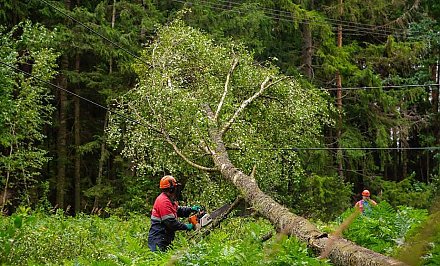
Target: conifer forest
307	131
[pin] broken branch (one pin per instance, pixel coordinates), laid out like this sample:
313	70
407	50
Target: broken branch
228	77
176	149
264	85
178	152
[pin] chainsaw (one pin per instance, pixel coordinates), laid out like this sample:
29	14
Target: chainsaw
202	218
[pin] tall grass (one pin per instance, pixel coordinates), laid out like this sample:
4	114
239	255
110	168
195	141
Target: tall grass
41	239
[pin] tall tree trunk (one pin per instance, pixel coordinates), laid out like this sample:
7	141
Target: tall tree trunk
339	154
103	156
101	161
62	132
341	251
404	164
307	50
77	137
435	89
395	155
110	66
428	159
435	75
62	137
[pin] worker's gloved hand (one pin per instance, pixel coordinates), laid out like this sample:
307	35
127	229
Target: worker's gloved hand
196	208
189	227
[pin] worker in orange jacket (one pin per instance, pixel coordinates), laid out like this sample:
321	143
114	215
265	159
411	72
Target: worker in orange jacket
365	203
166	210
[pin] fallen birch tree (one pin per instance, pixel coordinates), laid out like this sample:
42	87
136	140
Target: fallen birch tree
195	98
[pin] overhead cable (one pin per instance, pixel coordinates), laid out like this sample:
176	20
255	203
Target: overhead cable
381	87
288	18
181	1
70	92
290	14
143	124
353	148
350	28
97	33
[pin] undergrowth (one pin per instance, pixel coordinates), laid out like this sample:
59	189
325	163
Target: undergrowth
387	230
238	242
384	228
41	239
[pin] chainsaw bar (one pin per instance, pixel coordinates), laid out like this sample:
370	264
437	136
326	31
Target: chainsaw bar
218	212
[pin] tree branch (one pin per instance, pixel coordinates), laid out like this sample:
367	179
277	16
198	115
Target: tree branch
244	104
205	147
228	77
252	175
176	149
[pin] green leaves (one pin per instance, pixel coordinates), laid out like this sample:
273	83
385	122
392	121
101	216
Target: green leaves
238	242
187	71
384	228
48	239
24	103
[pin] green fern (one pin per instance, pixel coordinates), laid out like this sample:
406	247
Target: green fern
384	228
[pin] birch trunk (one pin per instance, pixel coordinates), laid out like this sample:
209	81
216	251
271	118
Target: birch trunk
341	251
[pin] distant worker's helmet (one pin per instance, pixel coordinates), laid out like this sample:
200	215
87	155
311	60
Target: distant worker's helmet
168	182
366	193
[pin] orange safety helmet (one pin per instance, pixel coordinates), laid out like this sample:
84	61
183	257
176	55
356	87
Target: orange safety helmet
366	193
168	182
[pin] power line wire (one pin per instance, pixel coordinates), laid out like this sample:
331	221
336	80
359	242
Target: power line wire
335	21
341	148
148	126
289	18
97	33
370	148
70	92
381	87
289	13
181	1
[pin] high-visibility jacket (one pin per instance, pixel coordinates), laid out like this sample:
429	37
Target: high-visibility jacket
164	222
365	204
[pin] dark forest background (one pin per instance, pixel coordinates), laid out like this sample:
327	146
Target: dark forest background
377	60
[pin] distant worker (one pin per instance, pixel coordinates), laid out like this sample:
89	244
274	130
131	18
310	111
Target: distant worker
365	203
164	215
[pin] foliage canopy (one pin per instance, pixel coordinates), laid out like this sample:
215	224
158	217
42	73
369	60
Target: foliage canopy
187	70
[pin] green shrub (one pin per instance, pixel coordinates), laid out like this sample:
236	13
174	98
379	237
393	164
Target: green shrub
322	197
384	228
59	239
238	242
409	192
41	239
